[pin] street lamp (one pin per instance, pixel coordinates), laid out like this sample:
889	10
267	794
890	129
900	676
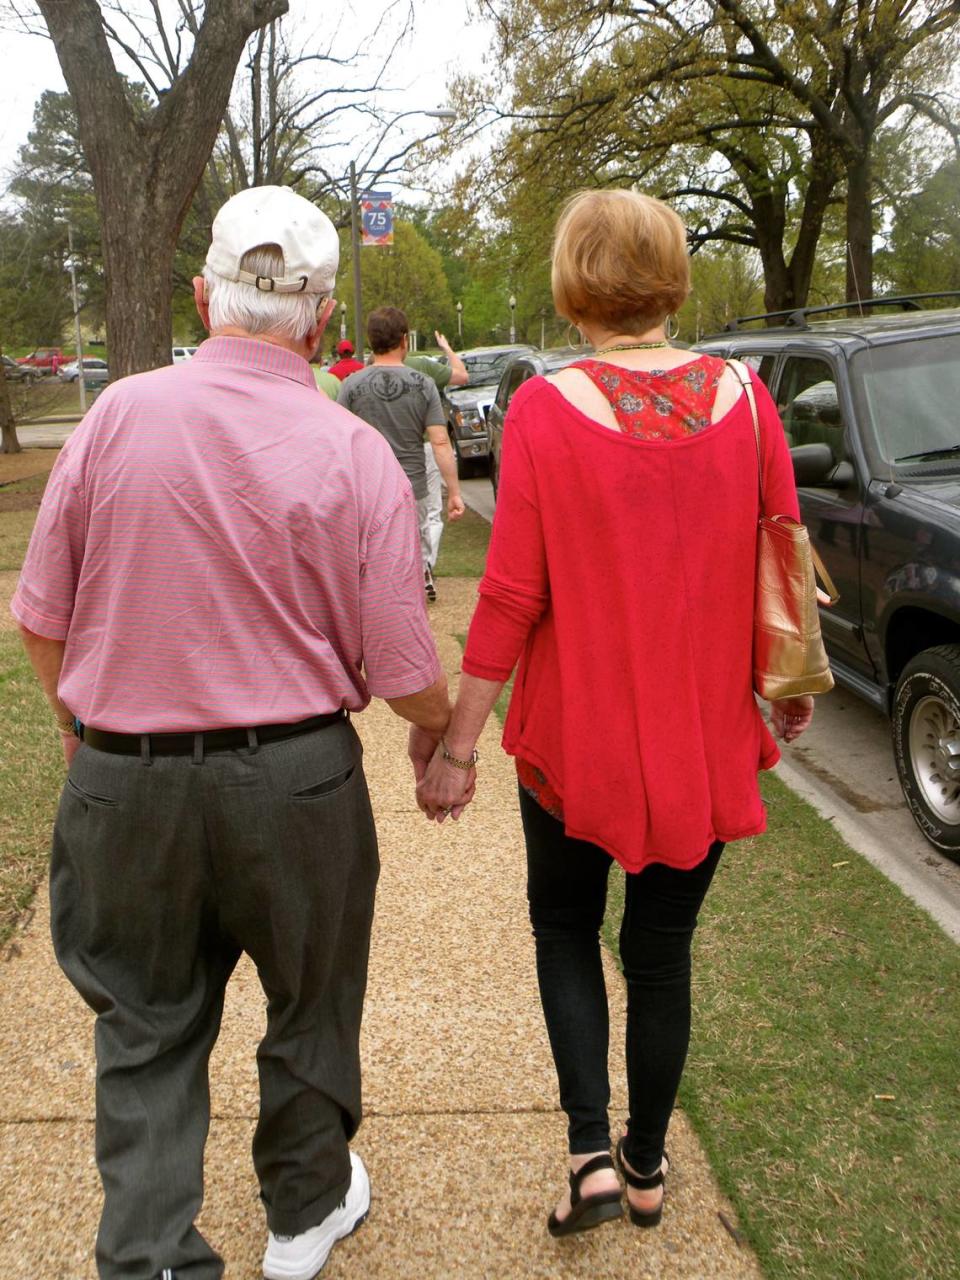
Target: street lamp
543	321
72	265
513	317
442	113
343	320
460	321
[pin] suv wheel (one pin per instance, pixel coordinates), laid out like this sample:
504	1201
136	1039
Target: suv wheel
926	743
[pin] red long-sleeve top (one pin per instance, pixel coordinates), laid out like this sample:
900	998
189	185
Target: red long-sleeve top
621	575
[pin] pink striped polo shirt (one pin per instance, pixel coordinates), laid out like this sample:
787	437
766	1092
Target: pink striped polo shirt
221	545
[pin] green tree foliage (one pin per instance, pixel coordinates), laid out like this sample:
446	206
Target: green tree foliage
754	118
409	274
924	251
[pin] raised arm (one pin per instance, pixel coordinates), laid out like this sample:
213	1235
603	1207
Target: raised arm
459	376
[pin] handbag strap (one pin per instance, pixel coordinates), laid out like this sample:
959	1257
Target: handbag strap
831	595
743	377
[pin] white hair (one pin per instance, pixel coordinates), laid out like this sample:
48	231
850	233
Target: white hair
234	304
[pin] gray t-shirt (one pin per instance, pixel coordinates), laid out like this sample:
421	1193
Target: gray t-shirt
401	403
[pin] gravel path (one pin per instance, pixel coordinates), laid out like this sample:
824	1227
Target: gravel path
463	1136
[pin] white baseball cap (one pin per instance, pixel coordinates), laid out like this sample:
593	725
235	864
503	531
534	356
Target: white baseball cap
276	215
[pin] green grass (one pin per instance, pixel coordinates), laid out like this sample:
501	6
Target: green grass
464	547
31	776
16	525
823	1075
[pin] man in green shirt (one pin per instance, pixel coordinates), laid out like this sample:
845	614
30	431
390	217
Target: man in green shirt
453	374
328	382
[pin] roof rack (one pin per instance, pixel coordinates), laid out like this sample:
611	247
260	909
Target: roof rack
796	318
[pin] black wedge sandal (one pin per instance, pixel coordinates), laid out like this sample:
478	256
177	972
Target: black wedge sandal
641	1217
587	1211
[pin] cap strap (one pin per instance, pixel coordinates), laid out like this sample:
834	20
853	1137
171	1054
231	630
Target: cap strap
273	284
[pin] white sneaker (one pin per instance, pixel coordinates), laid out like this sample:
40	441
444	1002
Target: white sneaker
301	1257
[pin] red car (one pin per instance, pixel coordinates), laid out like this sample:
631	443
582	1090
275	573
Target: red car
46	359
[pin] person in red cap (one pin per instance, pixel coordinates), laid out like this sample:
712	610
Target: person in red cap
346	364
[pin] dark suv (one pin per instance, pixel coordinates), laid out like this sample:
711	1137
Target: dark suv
871	409
467	406
519	369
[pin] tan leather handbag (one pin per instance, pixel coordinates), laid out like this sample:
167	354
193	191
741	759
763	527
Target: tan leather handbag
789	659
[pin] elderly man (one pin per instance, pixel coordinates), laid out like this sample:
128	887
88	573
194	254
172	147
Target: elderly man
224	568
403	404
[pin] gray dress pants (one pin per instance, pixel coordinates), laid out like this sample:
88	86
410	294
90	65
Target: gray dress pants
163	871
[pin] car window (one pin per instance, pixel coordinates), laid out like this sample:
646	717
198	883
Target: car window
519	373
486	369
762	365
910	391
809	406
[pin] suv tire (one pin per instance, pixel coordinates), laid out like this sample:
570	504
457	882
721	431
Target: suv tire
926	743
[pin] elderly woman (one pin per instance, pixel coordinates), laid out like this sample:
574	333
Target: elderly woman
621	575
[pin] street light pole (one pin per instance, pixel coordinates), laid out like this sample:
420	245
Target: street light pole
443	113
76	323
543	321
513	316
355	240
343	320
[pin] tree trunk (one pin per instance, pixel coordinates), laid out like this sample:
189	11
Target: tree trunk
146	168
859	227
8	425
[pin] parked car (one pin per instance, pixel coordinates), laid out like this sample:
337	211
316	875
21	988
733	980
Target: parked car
466	407
870	409
95	371
15	372
44	359
517	370
183	353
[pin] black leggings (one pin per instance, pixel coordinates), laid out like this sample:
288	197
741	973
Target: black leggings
567	891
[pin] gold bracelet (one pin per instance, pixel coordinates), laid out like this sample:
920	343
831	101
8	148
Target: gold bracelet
67	726
459	764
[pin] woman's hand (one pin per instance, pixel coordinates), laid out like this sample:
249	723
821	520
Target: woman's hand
445	791
791	716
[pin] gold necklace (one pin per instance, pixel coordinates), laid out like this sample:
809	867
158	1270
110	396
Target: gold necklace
632	346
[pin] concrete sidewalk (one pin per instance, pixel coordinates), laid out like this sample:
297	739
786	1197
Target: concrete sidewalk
463	1136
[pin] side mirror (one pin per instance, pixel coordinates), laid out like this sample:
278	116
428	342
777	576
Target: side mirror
814	466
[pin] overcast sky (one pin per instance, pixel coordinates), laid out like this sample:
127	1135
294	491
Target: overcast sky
441	45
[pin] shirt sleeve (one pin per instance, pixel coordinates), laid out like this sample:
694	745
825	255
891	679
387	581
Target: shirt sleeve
515	589
345	395
399	653
44	599
435	414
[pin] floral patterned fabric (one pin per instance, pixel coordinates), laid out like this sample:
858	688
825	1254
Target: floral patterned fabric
659	404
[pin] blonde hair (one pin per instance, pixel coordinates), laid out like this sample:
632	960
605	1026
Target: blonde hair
620	259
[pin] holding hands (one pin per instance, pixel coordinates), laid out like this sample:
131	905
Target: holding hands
445	783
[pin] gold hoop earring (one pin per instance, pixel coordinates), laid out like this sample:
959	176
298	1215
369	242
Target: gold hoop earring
676	328
581	340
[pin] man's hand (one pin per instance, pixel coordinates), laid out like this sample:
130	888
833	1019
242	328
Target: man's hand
455	507
445	791
71	745
459	374
420	748
790	716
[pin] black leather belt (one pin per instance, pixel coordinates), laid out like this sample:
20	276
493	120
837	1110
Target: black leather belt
185	744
